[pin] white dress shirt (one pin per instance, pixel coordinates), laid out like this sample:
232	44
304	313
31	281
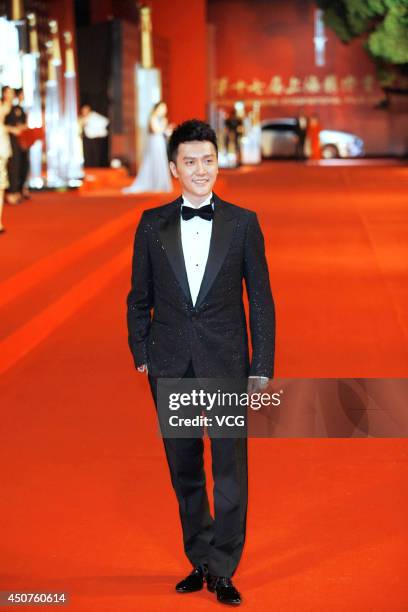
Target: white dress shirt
195	240
95	125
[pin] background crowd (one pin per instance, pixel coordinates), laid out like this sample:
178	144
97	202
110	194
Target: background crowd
14	163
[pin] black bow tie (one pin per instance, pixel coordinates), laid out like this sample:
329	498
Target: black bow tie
205	212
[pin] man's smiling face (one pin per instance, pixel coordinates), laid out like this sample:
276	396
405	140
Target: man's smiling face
196	168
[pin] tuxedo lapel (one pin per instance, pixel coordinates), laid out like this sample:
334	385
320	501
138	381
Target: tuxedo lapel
170	235
222	233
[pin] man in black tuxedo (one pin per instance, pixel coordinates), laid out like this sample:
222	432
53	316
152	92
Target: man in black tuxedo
186	318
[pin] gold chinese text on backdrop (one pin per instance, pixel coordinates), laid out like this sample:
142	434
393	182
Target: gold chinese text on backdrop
311	89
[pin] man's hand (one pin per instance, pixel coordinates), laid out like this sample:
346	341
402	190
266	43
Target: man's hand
256	384
143	368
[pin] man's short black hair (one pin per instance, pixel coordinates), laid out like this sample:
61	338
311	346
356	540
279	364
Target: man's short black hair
190	130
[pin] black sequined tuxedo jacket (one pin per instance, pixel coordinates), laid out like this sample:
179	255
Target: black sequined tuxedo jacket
166	331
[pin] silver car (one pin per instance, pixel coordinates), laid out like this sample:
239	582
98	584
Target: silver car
279	139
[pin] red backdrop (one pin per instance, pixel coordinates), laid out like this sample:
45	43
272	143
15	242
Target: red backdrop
265	50
182	24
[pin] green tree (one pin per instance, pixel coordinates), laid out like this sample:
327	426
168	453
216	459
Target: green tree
383	27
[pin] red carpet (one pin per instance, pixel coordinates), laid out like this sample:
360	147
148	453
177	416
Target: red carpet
87	505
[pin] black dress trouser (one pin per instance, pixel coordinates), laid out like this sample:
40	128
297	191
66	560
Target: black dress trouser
217	541
18	166
95	152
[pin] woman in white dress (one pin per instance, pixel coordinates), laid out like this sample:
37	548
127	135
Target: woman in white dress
5	153
154	173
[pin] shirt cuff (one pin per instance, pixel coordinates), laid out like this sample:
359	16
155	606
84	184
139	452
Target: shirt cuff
264	379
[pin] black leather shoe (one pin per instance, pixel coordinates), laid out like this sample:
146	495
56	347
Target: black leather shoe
194	581
226	592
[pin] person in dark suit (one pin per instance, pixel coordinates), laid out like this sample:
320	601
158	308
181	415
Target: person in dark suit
234	130
18	163
186	318
301	130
